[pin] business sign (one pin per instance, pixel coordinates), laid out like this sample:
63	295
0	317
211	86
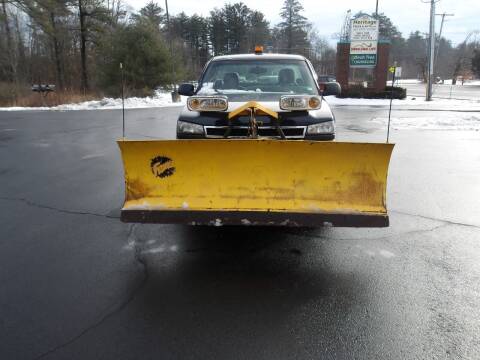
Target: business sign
364	27
363	42
363	53
363	47
364	61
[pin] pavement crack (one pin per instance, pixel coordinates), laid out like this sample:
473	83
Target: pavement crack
435	219
52	208
418	231
116	309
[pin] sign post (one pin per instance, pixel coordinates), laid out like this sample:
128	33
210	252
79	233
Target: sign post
393	69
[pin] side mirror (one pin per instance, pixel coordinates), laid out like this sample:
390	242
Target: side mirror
331	88
186	89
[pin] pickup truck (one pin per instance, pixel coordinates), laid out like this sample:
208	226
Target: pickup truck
286	84
274	106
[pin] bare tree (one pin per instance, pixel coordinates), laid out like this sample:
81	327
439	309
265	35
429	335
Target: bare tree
10	46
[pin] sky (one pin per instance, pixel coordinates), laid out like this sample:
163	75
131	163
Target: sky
327	15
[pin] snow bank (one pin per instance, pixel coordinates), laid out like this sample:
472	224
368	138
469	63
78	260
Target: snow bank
160	99
457	121
470	82
163	99
401	82
459	83
409	102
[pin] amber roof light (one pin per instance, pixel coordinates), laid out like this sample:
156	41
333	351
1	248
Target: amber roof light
258	49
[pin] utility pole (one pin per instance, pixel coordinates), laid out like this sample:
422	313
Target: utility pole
439	38
431	52
175	97
375	69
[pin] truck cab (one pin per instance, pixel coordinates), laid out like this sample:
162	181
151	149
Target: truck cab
285	84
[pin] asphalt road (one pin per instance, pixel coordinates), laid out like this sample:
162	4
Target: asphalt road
78	284
465	92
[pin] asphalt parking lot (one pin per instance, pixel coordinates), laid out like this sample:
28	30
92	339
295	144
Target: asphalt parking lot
79	284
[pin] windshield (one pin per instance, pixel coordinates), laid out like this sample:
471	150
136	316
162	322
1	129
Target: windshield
258	76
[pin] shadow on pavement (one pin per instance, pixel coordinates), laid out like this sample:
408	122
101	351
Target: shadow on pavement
237	290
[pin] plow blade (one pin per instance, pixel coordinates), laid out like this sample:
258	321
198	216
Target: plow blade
255	182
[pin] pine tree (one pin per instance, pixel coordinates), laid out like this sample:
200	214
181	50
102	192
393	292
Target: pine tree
152	13
293	26
141	47
236	20
217	30
259	30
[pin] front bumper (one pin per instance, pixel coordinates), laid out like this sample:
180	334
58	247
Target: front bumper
320	137
313	137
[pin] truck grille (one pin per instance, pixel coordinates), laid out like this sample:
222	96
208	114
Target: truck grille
290	132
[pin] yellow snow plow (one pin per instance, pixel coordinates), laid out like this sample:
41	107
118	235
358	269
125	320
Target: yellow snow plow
255	182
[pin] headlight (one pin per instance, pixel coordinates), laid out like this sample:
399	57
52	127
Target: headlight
321	128
207	103
189	128
300	102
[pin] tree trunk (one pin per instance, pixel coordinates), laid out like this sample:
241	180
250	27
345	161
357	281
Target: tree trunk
56	51
21	64
10	47
83	44
456	71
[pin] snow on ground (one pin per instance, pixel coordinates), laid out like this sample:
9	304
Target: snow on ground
469	82
410	102
444	121
405	81
401	82
459	83
160	99
163	99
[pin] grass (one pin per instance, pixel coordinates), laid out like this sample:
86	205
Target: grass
26	98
